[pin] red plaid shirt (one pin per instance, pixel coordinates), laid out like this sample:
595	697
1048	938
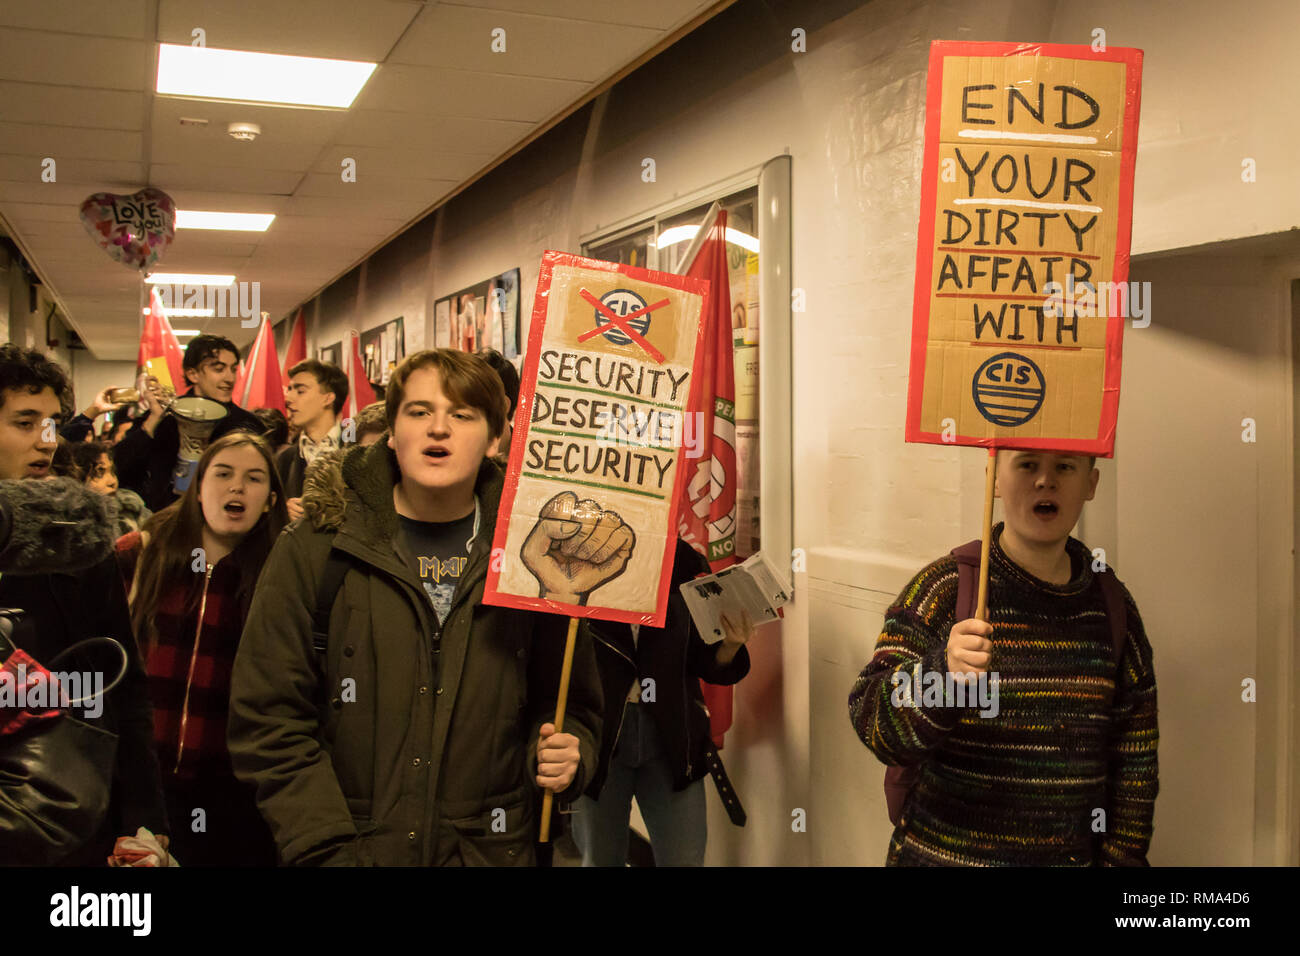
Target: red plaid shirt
189	668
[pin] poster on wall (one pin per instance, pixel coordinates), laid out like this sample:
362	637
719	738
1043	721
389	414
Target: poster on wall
485	315
331	354
442	324
382	348
1023	245
595	478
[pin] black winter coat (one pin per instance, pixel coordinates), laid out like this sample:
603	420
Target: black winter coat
145	464
292	469
431	760
676	659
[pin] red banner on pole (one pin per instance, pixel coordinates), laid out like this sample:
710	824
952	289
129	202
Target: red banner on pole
360	394
160	353
258	384
297	350
708	512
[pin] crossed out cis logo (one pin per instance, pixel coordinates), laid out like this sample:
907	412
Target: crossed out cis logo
622	302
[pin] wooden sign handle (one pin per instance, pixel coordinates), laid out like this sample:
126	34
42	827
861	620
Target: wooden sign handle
990	473
545	833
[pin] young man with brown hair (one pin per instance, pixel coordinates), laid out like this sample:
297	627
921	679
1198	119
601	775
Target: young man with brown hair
1059	767
148	457
314	397
385	715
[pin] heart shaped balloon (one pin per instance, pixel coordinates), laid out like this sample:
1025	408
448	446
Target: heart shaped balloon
133	229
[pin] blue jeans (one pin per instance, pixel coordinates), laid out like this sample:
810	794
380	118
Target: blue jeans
677	821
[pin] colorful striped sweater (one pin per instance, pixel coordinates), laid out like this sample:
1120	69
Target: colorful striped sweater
1023	787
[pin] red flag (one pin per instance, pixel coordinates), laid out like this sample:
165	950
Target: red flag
160	354
297	350
708	510
360	394
258	384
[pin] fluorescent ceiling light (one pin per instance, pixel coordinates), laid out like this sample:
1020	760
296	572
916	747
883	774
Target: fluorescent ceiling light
187	278
185	314
185	332
678	234
259	77
242	221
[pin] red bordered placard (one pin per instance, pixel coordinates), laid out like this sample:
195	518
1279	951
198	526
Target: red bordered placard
1103	443
552	260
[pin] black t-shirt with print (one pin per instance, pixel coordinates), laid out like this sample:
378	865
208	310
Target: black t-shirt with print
440	552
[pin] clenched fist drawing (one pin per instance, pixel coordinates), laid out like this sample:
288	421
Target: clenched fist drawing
575	547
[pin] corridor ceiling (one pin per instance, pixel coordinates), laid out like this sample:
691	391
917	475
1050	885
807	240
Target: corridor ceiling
77	84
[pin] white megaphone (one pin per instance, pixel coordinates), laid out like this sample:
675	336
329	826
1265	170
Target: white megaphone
195	419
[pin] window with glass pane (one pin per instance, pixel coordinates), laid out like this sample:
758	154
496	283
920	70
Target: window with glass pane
633	248
674	238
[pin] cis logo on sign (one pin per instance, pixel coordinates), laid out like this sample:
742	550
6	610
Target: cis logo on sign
1008	389
621	302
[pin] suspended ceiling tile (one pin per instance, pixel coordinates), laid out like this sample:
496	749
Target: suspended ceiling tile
290	138
59	193
463	38
24	212
71	106
293	230
440	92
400	210
120	18
402	163
239	179
661	15
333	29
370	186
29	169
63	59
388	129
60	142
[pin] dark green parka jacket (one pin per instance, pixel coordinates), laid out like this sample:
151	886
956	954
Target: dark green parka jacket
428	756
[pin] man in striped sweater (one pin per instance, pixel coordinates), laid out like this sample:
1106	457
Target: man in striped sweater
1061	770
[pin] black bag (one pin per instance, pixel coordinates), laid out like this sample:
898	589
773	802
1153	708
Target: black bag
56	771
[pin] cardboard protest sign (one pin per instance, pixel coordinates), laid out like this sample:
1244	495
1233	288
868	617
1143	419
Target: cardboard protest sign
1023	246
588	519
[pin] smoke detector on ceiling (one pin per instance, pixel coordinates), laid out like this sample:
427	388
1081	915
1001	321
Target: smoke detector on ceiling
244	132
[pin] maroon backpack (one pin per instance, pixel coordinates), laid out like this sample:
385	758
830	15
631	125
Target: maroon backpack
899	781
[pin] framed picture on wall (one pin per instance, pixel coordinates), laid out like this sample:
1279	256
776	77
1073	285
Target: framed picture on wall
442	324
484	315
333	354
382	348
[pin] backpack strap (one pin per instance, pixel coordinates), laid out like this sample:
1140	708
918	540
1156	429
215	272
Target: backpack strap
899	780
1116	611
331	582
968	566
968	563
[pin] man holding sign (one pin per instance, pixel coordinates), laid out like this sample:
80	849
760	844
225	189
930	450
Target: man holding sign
1012	692
596	475
385	714
1035	731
